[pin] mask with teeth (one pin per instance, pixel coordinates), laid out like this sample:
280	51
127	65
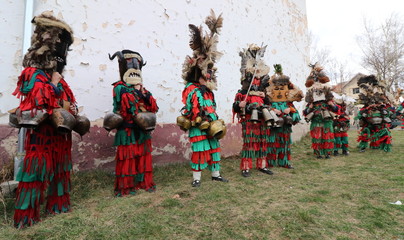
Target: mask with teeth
130	66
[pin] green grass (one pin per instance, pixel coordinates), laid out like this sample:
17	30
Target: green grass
345	197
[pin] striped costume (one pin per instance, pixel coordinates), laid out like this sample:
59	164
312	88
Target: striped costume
199	101
47	162
255	134
134	168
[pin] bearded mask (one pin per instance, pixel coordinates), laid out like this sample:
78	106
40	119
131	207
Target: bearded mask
130	66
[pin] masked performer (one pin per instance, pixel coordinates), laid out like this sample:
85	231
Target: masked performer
341	127
137	107
43	93
249	105
319	111
282	93
199	113
375	116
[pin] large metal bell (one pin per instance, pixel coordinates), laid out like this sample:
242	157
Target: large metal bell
326	114
31	118
204	125
146	120
254	115
183	122
112	121
280	122
13	120
82	125
288	120
217	129
268	117
63	120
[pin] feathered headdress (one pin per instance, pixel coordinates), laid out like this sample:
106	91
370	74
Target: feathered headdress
205	53
48	33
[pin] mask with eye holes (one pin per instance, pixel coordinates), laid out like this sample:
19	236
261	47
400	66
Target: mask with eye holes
278	89
130	66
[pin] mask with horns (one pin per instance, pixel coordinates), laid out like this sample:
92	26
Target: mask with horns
130	66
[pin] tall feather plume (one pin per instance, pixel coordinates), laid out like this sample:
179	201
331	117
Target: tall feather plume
196	38
214	24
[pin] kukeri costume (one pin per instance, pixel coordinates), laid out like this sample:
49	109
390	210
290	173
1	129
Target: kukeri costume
199	113
134	117
400	115
282	93
375	116
341	127
319	111
250	105
48	109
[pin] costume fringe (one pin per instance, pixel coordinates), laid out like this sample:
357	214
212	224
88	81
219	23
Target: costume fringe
255	143
47	162
279	153
134	168
322	134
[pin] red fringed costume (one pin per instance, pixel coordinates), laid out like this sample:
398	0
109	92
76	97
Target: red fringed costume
47	162
319	111
375	117
249	104
134	169
282	93
341	127
199	113
255	133
133	154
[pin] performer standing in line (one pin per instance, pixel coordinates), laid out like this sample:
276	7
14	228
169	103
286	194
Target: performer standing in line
131	100
319	110
341	127
375	115
43	92
249	104
199	113
282	93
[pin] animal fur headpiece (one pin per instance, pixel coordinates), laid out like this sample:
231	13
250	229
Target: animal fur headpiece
317	74
205	54
316	82
130	66
372	91
280	88
251	61
49	44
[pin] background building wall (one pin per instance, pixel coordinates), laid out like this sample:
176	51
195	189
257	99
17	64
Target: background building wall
157	29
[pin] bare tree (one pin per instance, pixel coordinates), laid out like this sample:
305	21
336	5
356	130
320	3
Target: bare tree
383	50
336	70
321	55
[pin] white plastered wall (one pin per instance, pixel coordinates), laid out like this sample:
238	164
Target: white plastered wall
158	29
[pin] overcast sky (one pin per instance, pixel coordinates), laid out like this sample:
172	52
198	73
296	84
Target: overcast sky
336	23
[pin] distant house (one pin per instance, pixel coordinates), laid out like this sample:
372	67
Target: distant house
349	88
